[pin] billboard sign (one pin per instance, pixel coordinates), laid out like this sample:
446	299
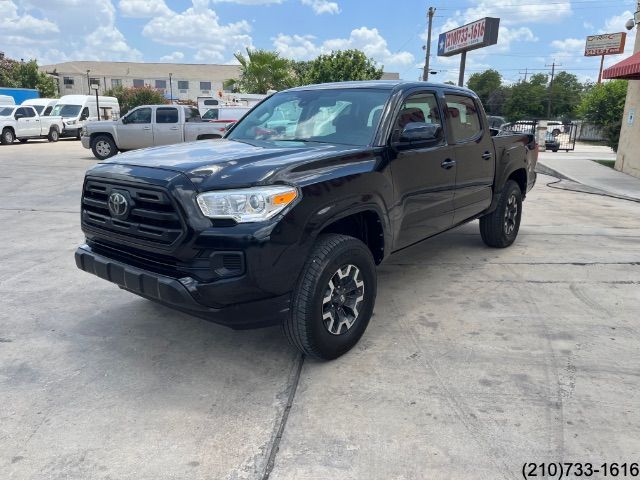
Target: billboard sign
479	34
605	44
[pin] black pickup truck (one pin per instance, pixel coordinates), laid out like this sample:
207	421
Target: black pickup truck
284	220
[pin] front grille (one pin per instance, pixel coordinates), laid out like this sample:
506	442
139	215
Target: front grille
152	218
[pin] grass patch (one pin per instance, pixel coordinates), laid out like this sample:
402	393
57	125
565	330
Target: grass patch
606	163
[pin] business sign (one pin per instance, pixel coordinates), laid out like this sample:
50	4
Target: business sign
605	44
478	34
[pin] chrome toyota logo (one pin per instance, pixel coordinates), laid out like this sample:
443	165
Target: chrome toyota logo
118	205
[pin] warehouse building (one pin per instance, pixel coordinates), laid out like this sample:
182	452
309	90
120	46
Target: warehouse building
186	81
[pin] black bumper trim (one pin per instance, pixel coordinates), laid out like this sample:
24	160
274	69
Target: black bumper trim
173	293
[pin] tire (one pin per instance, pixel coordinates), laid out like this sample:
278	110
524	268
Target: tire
54	135
555	150
103	147
8	137
321	328
556	132
500	228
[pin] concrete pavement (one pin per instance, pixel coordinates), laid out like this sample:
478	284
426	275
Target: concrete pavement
579	167
476	360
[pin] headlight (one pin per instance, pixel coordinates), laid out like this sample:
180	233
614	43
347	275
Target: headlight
71	122
247	205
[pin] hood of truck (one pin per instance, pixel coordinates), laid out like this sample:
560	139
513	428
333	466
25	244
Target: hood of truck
212	164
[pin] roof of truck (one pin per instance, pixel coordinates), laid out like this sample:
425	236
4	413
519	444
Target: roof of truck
382	85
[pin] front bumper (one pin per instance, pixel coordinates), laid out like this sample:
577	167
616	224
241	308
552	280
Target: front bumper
86	141
179	293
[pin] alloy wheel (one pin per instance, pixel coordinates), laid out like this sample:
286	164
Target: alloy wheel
511	215
103	148
342	300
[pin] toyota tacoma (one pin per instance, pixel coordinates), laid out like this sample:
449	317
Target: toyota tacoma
285	219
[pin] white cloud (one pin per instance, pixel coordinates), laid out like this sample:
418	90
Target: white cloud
172	57
322	6
199	25
519	11
70	33
143	8
369	40
250	2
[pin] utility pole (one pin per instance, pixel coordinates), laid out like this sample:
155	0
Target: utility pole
425	74
171	87
553	74
525	73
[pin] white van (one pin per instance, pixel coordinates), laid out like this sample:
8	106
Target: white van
42	105
77	110
7	100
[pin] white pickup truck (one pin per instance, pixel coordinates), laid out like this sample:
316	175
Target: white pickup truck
147	126
24	123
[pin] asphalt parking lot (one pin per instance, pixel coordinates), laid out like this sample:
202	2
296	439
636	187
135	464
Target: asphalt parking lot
475	362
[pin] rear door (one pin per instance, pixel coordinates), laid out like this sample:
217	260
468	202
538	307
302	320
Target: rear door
166	129
424	176
135	130
474	155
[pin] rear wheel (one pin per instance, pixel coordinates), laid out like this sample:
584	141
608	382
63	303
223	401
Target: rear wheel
500	228
54	135
334	298
103	147
7	136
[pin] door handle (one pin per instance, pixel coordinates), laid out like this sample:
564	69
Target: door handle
174	128
487	156
147	128
448	164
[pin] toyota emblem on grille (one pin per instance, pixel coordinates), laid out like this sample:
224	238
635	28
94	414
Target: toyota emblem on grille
118	205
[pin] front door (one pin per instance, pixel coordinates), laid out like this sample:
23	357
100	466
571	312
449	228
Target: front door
423	175
474	154
134	131
26	125
166	129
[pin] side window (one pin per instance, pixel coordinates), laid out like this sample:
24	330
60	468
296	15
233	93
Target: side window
464	118
166	115
142	115
47	111
39	108
22	111
192	115
85	113
418	108
30	112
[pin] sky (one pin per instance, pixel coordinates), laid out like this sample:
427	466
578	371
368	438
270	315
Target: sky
533	33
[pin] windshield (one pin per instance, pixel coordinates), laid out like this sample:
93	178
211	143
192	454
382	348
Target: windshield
342	116
68	111
6	111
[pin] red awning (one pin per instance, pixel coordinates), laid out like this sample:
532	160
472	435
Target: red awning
628	69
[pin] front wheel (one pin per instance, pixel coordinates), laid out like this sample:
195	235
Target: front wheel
7	136
500	228
333	299
103	147
54	135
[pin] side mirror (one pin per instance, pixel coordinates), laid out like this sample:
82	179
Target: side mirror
18	116
419	132
124	120
84	116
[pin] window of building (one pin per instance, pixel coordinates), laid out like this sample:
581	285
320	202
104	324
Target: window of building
68	82
116	82
94	81
166	115
162	84
464	117
183	85
138	83
205	86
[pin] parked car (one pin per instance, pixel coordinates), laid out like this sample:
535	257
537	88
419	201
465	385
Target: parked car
551	142
7	100
24	123
556	128
77	110
496	122
286	226
43	106
224	117
147	126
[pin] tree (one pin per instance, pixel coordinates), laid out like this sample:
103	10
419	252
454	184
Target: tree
484	84
603	105
26	75
341	66
262	70
129	98
527	100
567	91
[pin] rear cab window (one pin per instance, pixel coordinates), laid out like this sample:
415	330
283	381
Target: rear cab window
464	118
166	115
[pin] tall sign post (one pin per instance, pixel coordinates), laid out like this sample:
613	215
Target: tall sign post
479	34
605	44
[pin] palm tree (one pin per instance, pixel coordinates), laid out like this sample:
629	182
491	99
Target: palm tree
262	70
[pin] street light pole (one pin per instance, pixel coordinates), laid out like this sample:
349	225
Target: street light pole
95	87
88	81
171	87
425	74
